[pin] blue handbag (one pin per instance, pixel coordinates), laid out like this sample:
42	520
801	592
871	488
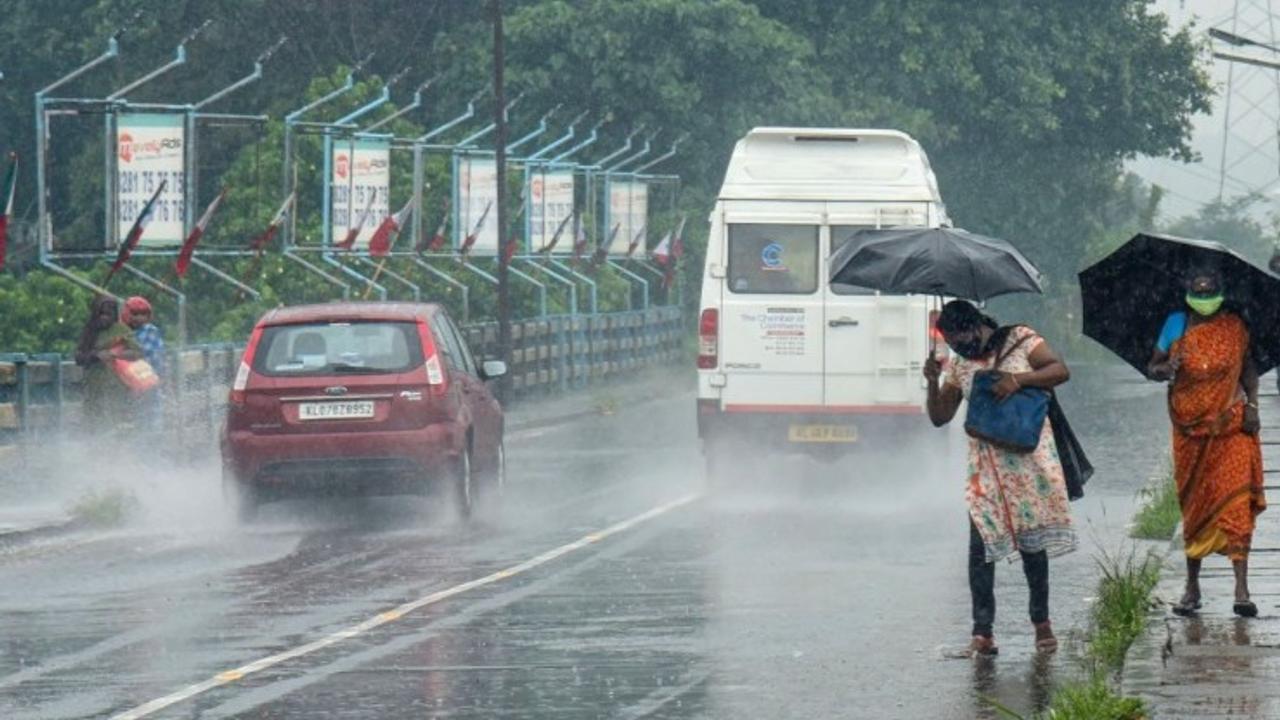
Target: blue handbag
1016	423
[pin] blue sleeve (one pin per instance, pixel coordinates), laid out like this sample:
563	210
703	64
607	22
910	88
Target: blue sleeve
1174	327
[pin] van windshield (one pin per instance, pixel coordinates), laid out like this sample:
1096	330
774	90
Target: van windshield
766	259
335	348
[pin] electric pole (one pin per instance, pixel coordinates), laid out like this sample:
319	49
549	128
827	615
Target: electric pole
500	160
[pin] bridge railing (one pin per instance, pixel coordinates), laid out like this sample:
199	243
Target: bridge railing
41	394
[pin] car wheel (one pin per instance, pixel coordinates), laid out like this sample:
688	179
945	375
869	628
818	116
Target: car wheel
496	482
463	488
721	463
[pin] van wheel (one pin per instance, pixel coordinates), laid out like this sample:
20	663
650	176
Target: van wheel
721	465
462	486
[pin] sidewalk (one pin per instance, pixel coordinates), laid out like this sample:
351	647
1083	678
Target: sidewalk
1218	665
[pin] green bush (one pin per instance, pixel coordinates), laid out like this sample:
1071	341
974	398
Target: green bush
1160	512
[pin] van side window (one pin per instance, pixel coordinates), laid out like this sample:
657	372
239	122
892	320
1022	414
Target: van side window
773	259
842	235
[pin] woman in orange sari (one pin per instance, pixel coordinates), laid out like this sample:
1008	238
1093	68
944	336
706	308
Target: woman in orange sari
1217	460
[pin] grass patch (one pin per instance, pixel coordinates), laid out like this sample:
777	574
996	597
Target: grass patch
1160	512
1124	602
104	507
1092	700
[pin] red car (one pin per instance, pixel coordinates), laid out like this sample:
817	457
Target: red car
361	398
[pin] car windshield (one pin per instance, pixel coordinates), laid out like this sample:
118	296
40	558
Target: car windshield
337	348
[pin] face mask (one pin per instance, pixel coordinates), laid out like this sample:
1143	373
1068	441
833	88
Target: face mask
1204	305
969	349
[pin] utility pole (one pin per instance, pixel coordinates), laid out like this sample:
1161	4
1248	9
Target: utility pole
500	160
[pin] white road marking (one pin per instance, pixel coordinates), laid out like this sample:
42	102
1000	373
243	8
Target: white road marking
388	616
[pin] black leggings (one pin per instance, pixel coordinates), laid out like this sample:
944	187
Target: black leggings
982	584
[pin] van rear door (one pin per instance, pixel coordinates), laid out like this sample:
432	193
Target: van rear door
772	308
875	344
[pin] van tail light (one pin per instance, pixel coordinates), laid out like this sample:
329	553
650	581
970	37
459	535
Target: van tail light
708	339
246	364
431	360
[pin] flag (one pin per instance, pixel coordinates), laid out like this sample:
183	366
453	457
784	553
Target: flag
635	242
555	237
437	241
6	211
602	250
135	233
470	240
349	240
677	242
509	249
662	253
380	242
260	242
189	245
579	238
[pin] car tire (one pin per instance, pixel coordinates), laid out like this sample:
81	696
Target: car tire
721	464
496	479
462	485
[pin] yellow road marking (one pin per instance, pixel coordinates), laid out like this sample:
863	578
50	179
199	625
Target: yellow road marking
233	675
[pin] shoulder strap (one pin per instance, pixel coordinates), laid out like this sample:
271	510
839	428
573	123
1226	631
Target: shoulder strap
1005	355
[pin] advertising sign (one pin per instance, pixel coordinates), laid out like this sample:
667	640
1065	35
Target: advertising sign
628	211
477	192
361	180
550	196
150	148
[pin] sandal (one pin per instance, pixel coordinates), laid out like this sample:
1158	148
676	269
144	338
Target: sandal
980	646
1045	641
1186	607
1245	609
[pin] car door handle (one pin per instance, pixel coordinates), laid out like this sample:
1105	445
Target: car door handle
842	322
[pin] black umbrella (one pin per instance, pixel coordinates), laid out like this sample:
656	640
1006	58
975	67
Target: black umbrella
933	261
1129	294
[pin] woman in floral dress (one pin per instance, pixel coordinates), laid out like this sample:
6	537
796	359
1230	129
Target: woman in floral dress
1017	501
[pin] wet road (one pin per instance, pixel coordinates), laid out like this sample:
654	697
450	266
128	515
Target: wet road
600	588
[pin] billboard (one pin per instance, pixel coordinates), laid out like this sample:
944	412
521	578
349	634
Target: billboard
628	211
476	190
151	148
360	180
550	198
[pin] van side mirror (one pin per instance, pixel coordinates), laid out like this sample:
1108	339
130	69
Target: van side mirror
493	369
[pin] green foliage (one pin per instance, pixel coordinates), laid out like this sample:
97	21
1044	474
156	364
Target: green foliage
1230	223
1124	600
1093	699
1160	512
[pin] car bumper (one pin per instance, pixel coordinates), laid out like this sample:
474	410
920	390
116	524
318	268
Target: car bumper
383	463
796	430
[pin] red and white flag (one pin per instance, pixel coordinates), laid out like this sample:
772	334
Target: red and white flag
555	237
470	240
437	241
677	241
135	233
602	250
183	263
260	242
662	253
349	240
579	238
380	243
635	242
6	211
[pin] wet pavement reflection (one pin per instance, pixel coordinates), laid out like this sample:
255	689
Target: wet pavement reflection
818	590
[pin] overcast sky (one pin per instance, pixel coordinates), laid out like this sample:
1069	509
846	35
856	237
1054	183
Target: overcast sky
1252	145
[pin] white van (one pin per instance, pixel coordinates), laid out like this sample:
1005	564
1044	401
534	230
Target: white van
785	358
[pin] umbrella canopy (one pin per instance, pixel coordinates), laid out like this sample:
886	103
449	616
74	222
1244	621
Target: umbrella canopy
1129	294
933	261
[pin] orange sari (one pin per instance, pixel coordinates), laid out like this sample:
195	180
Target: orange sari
1217	466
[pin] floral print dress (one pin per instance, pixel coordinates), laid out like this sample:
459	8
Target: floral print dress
1017	501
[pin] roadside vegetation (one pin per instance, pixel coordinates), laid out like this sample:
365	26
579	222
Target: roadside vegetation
1160	512
1119	616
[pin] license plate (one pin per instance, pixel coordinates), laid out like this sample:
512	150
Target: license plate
336	410
823	433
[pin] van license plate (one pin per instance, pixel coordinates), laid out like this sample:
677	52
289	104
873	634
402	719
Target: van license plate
336	410
823	433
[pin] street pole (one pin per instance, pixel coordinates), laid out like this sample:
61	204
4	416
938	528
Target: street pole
500	160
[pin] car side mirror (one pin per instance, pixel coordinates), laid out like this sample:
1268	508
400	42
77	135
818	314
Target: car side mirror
493	369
